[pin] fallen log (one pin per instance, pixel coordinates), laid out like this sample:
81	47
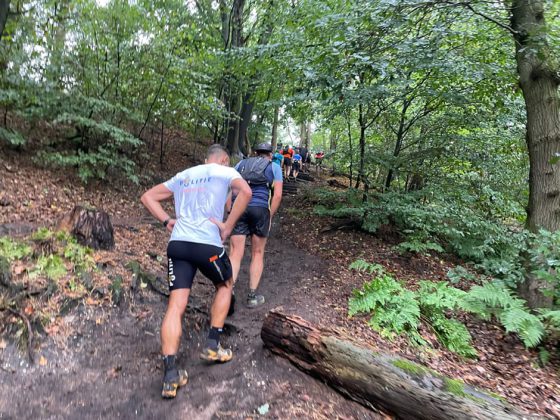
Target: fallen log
404	388
336	183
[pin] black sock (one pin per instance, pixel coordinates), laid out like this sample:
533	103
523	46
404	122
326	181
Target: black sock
170	369
213	340
252	293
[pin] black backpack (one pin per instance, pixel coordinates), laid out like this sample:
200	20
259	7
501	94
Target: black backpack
253	171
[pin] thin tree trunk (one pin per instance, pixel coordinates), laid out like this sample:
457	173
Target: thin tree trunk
362	123
399	142
275	128
539	80
351	151
4	10
161	145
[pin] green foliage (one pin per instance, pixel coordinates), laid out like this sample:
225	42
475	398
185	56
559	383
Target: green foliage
419	246
52	266
12	137
362	265
12	250
102	147
429	222
544	254
432	222
396	310
42	234
61	250
494	299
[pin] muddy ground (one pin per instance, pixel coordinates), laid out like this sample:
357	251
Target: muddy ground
109	366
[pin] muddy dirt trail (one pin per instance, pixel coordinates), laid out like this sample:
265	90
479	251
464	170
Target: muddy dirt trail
109	367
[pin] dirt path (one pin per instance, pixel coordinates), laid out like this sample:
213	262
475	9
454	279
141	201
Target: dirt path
110	366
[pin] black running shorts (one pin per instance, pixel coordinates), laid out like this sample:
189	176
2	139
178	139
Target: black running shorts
287	161
184	258
296	165
255	221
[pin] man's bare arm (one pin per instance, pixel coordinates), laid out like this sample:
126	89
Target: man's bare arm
151	200
276	198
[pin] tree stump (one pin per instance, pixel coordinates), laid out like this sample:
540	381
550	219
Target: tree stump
90	227
404	388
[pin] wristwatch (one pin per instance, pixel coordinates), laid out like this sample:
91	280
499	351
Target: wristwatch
166	222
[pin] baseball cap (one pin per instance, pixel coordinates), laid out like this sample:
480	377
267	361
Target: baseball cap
264	147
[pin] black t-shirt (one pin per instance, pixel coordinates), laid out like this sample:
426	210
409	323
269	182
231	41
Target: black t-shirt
304	154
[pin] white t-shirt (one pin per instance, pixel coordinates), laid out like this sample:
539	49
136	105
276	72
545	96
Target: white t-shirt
200	194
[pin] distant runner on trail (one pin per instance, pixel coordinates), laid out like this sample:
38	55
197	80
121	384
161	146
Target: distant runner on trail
196	242
278	158
288	153
297	163
305	158
265	179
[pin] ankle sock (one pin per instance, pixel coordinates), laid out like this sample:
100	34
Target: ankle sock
169	367
252	293
213	340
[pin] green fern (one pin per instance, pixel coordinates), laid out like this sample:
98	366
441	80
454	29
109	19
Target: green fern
495	299
438	296
550	317
529	327
396	310
454	335
362	265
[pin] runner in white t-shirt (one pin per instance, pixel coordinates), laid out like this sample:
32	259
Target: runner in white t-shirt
196	242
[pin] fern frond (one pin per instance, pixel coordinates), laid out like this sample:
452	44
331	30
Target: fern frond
454	335
362	265
528	326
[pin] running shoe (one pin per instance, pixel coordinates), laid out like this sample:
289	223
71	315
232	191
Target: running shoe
254	301
219	355
170	387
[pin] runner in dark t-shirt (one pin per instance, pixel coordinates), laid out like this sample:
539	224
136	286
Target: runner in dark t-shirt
256	222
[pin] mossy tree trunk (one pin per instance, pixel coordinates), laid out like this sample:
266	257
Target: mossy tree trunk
539	78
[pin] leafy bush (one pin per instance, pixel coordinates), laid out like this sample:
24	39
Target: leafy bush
101	146
89	133
434	222
396	310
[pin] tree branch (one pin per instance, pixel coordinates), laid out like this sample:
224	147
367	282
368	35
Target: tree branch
490	19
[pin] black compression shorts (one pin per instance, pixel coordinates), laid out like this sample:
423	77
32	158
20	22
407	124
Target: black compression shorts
255	221
184	258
